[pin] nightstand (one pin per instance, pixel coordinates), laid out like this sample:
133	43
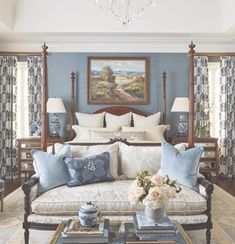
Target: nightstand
209	160
25	160
24	147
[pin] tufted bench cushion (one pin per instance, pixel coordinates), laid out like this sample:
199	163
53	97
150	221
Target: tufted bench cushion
110	196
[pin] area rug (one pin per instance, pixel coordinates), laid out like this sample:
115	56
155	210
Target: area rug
223	212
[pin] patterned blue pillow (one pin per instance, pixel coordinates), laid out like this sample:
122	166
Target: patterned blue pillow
180	166
88	170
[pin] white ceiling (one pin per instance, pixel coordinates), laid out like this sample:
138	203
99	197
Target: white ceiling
71	25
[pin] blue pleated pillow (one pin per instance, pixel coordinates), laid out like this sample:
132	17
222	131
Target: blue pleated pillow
51	168
180	166
89	170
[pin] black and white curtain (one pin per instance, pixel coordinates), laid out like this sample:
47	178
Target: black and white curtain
8	69
227	115
35	84
201	96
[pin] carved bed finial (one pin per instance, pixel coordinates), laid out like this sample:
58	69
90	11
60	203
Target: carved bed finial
72	75
164	75
44	49
191	48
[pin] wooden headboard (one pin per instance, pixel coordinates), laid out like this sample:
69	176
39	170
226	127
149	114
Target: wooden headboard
120	110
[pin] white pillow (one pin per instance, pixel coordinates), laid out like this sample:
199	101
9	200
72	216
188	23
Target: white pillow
155	133
104	134
116	122
82	133
141	121
133	136
86	133
85	151
90	120
137	158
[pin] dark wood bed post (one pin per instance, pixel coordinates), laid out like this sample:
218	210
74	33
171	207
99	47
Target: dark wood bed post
73	104
44	98
191	96
164	76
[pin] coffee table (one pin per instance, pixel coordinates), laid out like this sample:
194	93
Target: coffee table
123	232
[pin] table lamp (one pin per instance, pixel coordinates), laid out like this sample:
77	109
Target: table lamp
181	105
55	106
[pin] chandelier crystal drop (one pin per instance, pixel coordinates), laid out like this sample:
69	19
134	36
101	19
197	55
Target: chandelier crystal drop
123	10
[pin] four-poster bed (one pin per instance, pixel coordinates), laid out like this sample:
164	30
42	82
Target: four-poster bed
29	186
123	109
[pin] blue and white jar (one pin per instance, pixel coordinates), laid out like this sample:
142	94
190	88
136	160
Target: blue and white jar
88	214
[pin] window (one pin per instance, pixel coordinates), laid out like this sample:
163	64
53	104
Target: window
214	96
22	114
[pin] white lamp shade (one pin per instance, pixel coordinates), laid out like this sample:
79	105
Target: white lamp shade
55	105
181	104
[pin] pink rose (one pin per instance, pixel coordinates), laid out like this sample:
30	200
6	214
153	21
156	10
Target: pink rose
155	193
158	180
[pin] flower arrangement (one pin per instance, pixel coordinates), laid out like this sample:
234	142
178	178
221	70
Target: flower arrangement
153	191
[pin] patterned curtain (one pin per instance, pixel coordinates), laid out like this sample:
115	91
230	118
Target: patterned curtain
35	94
227	115
8	69
201	96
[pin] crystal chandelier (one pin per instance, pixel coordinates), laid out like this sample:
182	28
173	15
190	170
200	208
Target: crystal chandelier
123	10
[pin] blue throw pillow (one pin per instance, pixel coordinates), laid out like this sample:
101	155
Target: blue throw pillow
180	166
88	170
51	168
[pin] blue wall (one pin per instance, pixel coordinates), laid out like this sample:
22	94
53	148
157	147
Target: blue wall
60	66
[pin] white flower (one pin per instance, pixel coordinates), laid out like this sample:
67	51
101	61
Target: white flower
154	191
135	192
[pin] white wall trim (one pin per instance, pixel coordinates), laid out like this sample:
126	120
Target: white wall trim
117	42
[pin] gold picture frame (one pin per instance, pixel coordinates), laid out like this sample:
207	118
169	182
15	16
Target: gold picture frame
118	80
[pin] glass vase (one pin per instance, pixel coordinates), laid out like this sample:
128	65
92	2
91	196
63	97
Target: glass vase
154	214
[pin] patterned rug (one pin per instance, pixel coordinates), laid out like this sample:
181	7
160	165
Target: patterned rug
223	212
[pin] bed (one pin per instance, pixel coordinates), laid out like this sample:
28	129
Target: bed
29	187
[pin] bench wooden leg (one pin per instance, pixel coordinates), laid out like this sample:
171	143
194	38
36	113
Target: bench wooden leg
2	196
26	236
208	236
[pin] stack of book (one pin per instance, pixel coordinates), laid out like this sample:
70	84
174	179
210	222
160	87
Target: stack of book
150	230
75	233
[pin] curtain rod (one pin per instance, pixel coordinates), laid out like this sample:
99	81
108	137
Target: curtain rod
214	54
20	54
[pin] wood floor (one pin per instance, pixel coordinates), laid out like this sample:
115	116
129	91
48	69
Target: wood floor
227	184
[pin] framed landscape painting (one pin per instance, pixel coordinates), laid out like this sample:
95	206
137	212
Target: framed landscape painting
118	80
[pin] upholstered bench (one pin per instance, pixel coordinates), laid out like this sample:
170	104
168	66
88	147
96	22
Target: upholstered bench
2	190
46	208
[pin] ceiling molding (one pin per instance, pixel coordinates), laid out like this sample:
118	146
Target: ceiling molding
117	42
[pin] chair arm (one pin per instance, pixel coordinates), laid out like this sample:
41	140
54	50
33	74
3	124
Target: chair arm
207	185
30	191
29	184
